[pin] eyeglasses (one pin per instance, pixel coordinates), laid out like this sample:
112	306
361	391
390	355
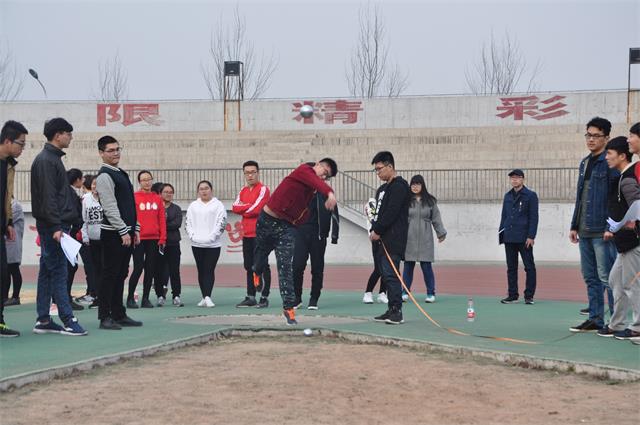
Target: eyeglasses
21	144
378	169
148	179
250	173
116	150
593	136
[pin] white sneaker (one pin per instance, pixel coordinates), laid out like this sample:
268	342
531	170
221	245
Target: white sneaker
405	297
208	302
202	303
368	298
161	301
430	299
53	310
177	301
382	298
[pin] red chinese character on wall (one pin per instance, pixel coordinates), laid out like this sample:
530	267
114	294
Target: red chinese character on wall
342	111
236	234
133	113
518	107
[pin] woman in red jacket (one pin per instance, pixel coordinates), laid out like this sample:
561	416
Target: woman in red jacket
153	236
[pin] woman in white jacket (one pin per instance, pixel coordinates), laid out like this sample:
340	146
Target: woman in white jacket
206	220
92	219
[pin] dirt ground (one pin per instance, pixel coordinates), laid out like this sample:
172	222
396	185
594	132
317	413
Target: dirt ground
318	381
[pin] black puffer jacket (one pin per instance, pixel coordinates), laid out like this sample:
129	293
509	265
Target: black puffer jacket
53	202
321	219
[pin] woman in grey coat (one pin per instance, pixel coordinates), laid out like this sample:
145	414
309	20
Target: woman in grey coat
14	256
423	216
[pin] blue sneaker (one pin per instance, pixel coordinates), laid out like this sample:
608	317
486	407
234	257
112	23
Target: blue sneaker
73	328
50	327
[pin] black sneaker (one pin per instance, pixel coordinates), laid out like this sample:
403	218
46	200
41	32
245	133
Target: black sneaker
95	304
606	332
127	321
395	317
313	304
383	317
509	300
586	326
529	301
12	301
146	303
109	324
584	311
131	303
290	315
264	303
247	302
6	332
627	334
297	305
75	306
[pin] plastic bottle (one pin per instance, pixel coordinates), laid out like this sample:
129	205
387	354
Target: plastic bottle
471	312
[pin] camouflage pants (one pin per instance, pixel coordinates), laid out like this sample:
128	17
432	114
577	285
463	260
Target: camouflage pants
279	235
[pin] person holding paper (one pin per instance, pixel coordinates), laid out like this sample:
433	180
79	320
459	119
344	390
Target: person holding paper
54	206
625	273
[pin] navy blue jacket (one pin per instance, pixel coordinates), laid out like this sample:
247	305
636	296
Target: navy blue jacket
601	179
519	220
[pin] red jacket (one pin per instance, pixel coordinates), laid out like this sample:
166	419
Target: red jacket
151	216
249	204
291	198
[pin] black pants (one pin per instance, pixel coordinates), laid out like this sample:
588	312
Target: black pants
512	250
206	261
169	269
144	258
308	245
4	273
375	274
115	267
13	276
389	276
89	271
95	249
248	248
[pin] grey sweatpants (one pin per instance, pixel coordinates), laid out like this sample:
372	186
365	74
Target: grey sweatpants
624	279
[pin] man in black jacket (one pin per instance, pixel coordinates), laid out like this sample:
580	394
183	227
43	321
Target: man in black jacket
389	229
54	206
119	233
311	240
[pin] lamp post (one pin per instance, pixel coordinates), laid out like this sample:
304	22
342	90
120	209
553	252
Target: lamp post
34	74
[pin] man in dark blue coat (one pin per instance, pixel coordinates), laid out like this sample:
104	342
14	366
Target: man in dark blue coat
518	228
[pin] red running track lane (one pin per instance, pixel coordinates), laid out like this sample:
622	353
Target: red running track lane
554	282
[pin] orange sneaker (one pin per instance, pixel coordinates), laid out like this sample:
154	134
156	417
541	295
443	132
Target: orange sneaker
257	282
290	315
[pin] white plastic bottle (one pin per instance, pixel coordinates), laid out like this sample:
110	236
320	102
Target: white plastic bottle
471	312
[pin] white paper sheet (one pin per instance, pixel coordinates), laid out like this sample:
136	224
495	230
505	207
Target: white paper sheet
632	214
70	247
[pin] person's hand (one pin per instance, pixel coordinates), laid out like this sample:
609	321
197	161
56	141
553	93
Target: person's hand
529	243
607	236
11	233
442	238
126	240
57	236
136	239
373	236
573	236
331	202
631	225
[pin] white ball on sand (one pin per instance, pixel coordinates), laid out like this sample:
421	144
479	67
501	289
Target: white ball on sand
308	332
306	111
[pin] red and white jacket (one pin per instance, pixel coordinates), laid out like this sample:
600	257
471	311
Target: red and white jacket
249	204
150	211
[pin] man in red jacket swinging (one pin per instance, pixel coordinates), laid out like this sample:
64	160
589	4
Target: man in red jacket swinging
249	204
285	210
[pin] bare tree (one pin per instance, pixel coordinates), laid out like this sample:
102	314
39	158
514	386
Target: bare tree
112	80
500	68
229	43
10	82
370	72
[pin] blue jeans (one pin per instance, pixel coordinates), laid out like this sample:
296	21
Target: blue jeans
52	277
427	273
388	274
596	259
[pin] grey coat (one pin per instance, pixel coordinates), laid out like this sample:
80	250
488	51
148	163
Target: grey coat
422	218
14	248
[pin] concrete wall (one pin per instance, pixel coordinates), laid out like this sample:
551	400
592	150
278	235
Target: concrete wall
472	236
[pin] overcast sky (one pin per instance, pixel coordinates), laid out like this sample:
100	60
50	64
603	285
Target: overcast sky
581	45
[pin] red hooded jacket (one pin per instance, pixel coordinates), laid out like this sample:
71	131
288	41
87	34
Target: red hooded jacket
291	198
151	216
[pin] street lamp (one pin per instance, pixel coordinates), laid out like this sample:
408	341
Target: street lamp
34	74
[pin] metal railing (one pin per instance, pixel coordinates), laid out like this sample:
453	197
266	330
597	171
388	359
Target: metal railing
353	188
